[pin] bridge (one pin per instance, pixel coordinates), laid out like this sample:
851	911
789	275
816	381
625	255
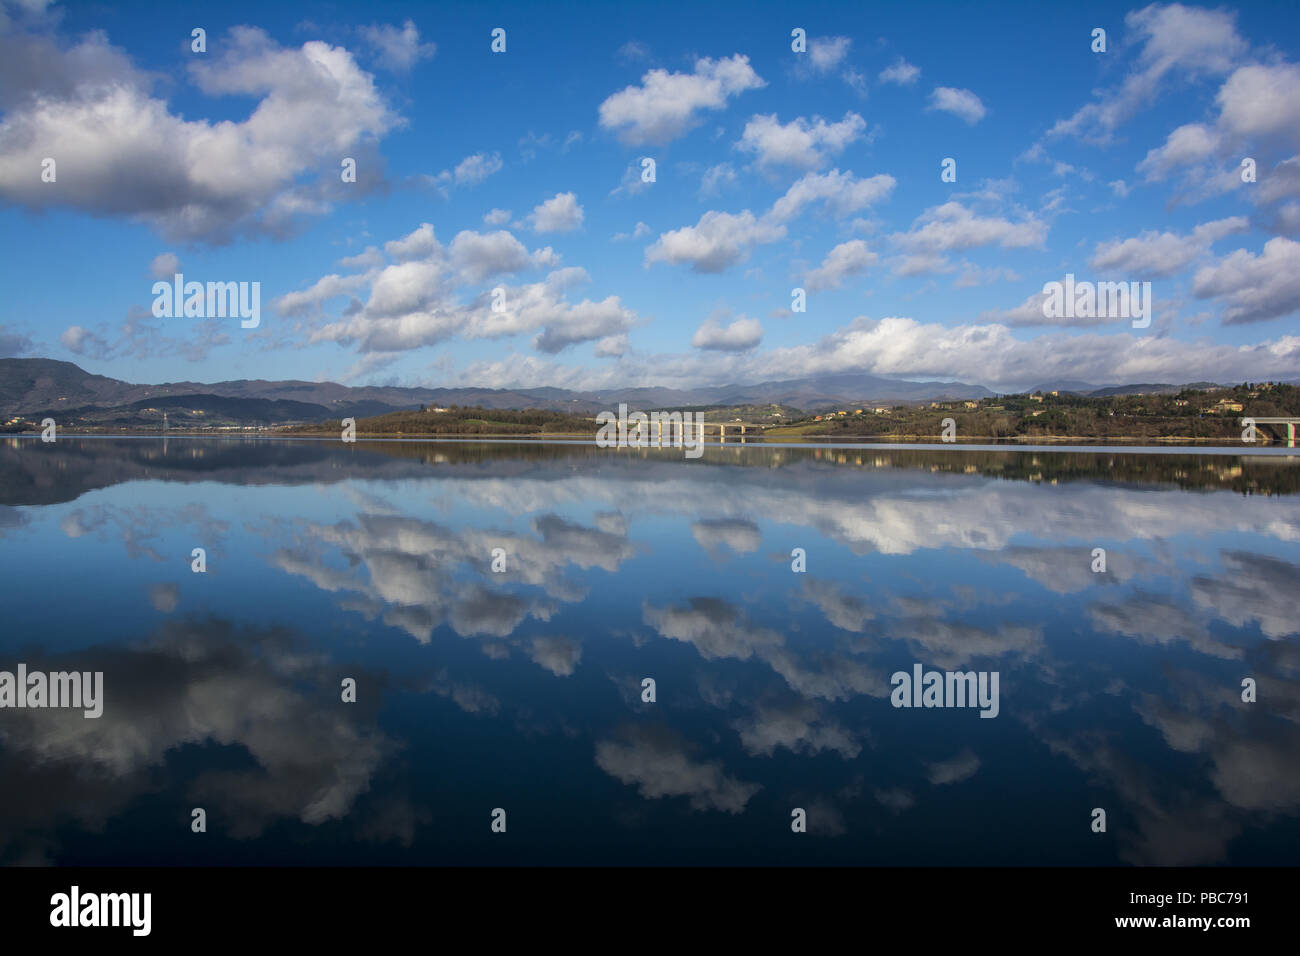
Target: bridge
656	433
1290	424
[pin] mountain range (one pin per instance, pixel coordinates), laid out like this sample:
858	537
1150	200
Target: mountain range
34	388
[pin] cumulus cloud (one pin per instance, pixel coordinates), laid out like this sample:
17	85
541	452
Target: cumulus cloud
123	153
960	103
715	178
900	73
800	144
472	170
560	213
744	333
419	244
397	49
737	534
562	323
1190	143
990	354
165	265
665	106
1175	40
559	655
846	259
959	768
953	226
321	291
826	53
1030	314
841	193
800	727
719	240
478	256
1259	116
418	299
660	767
639	231
1254	287
1155	255
13	343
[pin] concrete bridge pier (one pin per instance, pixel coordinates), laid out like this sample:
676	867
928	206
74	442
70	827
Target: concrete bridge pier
1290	424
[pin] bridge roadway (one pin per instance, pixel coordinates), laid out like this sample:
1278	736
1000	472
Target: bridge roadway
1290	424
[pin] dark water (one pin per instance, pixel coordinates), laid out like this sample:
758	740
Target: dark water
522	690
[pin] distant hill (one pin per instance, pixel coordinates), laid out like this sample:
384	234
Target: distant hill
1104	391
34	388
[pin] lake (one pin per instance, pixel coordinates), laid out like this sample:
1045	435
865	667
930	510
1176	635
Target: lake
393	651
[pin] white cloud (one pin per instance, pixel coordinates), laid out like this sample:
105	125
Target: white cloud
612	346
1187	144
799	143
1155	255
900	73
633	50
1261	101
640	231
991	355
718	241
81	341
846	259
961	103
121	152
472	170
165	265
800	727
842	193
419	244
371	258
959	768
399	50
478	256
321	291
742	334
1255	288
665	105
1259	117
716	177
542	306
560	213
826	53
1175	40
954	226
660	768
559	655
1030	314
497	217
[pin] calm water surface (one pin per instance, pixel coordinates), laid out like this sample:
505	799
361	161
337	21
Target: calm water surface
522	690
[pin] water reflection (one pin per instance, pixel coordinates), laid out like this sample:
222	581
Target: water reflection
518	683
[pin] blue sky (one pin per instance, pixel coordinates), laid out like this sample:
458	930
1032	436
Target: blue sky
774	170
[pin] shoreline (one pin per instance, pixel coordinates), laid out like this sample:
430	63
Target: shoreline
1172	443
